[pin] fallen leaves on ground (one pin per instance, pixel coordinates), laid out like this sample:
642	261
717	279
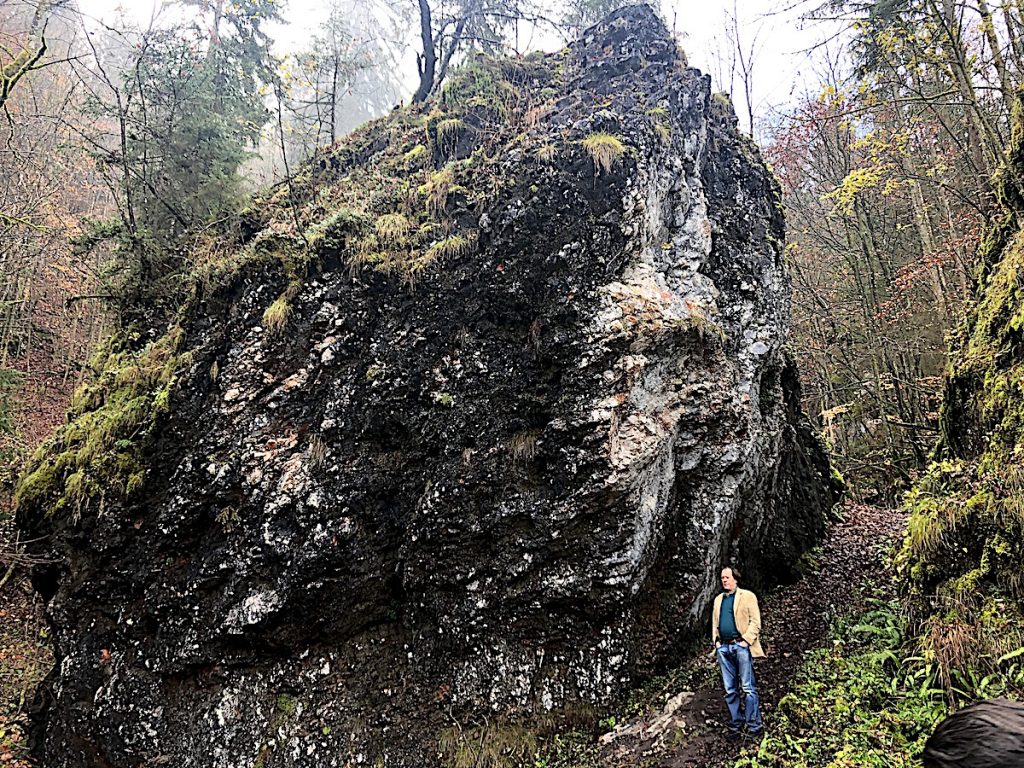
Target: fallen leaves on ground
25	658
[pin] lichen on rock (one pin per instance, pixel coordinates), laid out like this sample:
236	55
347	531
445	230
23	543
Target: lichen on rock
464	423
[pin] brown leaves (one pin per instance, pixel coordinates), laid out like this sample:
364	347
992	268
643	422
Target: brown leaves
25	657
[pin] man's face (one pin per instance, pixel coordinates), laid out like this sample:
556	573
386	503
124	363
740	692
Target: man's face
728	582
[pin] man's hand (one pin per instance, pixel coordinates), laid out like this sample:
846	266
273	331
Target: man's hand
742	643
717	644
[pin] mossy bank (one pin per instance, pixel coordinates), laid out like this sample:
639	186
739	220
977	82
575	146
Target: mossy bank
965	545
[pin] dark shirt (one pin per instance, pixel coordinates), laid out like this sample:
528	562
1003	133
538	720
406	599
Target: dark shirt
727	620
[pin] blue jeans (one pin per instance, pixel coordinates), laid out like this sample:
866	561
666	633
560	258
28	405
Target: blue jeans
738	674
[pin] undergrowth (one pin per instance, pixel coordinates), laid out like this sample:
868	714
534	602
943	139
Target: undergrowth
962	554
861	703
874	697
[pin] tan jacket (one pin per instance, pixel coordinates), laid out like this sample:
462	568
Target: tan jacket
748	619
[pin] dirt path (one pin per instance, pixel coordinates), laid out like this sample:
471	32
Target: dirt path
690	730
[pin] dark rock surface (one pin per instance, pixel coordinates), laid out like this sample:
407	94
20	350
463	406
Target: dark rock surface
502	483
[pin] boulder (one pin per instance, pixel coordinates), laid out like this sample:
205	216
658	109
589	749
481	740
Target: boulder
460	423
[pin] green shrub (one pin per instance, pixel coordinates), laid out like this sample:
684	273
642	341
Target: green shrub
334	232
478	83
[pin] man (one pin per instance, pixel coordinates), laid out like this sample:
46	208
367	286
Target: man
989	734
736	633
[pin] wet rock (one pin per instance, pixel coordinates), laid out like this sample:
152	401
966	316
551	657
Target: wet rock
506	487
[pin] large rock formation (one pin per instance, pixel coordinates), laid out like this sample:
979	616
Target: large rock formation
482	452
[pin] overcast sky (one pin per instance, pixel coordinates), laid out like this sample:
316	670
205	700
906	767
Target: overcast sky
781	62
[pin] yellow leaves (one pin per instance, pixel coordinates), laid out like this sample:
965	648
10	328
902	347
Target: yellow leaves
877	146
880	157
892	185
856	182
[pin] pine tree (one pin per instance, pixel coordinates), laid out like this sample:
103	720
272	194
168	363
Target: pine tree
188	103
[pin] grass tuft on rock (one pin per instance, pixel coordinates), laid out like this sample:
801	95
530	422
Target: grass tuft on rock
499	745
436	188
275	317
546	153
449	248
448	131
392	228
604	149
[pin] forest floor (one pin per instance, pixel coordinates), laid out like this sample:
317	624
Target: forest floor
686	725
25	654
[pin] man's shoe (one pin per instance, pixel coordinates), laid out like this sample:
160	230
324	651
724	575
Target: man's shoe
756	734
733	734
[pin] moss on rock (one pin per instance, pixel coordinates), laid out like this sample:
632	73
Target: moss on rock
97	455
964	547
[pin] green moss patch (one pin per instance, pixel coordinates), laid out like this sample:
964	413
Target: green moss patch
96	457
963	553
965	537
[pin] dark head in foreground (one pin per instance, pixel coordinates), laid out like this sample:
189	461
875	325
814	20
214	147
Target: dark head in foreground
989	734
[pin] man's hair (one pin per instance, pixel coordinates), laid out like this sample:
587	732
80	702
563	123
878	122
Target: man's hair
734	569
989	734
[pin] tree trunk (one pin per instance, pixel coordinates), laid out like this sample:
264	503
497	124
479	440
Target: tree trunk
1005	83
452	48
1012	32
334	98
987	135
427	61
